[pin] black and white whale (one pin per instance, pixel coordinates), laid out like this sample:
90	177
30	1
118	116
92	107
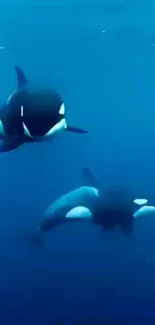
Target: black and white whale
31	115
105	208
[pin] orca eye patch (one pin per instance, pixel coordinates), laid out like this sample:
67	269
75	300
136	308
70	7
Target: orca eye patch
62	109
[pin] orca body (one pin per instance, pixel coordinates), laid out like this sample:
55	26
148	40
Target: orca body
104	208
31	116
76	205
73	206
87	203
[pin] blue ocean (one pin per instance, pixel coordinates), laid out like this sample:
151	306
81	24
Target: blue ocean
100	56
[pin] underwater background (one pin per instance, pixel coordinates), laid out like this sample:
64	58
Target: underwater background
100	56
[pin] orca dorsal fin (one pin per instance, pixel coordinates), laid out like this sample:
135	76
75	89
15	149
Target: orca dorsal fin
89	177
21	78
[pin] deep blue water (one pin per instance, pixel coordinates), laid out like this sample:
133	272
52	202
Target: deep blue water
107	80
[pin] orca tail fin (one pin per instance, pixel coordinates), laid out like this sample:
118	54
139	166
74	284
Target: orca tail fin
74	129
21	78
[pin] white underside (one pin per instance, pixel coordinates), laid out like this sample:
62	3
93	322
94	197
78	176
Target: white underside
144	211
58	128
54	131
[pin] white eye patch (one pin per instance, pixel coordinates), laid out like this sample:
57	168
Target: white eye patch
140	201
62	109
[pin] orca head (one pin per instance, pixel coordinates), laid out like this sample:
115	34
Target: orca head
115	209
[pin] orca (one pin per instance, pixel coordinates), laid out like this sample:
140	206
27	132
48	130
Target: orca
30	116
105	208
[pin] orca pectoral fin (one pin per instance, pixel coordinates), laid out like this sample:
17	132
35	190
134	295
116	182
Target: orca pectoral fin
74	129
21	78
10	143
